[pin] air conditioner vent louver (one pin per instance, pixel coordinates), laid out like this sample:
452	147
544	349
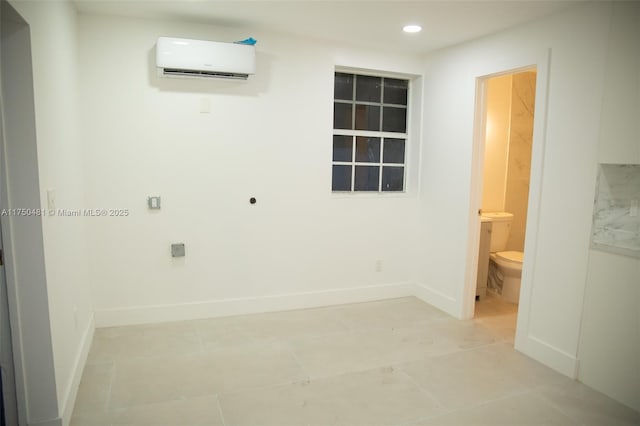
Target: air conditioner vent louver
180	57
175	72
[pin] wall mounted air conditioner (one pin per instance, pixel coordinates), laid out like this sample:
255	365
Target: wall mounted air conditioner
181	57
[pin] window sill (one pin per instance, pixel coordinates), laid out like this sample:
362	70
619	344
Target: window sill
372	194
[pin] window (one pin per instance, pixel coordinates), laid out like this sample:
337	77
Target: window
369	133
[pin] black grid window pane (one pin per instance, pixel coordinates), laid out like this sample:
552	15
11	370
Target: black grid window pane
393	178
342	148
394	120
367	178
395	91
341	178
367	149
369	105
368	89
343	86
367	117
393	151
342	116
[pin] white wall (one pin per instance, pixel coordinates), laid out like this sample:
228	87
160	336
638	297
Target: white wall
555	268
496	149
60	163
269	138
610	338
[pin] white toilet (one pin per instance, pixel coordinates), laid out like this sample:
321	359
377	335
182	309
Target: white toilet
509	263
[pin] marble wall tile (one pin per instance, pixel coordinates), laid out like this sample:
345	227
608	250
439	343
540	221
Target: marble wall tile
519	155
616	227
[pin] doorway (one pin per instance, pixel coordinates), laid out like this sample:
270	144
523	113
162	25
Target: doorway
505	151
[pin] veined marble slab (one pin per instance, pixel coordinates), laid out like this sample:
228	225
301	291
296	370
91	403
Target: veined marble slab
616	215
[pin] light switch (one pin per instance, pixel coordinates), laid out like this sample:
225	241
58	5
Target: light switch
154	203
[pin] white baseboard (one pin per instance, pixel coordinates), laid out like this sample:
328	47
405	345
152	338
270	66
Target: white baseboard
547	354
533	347
437	299
78	367
51	422
249	305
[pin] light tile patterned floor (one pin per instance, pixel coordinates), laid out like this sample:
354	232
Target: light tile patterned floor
393	362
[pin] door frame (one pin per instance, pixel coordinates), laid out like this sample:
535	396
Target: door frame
22	237
13	397
10	401
542	67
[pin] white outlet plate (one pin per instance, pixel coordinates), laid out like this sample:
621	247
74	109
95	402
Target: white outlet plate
153	202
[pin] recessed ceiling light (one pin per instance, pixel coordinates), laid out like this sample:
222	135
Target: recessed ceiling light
412	28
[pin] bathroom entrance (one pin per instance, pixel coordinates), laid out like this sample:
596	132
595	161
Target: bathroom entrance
508	105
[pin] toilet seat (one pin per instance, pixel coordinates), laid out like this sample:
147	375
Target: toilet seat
511	256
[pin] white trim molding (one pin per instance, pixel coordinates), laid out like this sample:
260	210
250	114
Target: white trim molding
437	299
547	354
78	367
249	305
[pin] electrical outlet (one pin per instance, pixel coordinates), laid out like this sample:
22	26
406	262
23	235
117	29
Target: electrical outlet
378	265
153	202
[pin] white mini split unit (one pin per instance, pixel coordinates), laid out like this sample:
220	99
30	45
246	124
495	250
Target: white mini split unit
181	57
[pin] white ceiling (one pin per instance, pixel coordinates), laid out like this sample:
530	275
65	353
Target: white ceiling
376	24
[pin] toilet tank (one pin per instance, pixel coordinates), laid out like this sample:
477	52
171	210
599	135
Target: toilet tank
500	228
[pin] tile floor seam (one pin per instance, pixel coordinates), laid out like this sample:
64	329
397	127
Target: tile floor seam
217	394
519	391
297	361
224	423
415	422
555	406
309	380
263	387
236	326
462	350
342	322
470	406
112	378
439	403
305	338
199	334
152	403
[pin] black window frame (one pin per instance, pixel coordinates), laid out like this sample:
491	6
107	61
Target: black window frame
360	124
